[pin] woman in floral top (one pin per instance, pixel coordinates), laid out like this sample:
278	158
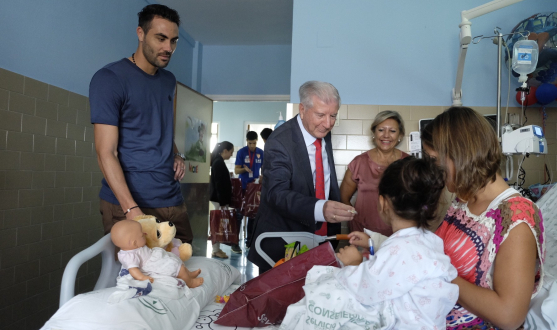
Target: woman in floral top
493	235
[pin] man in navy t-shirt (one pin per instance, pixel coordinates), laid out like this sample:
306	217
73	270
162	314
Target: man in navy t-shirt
132	109
248	165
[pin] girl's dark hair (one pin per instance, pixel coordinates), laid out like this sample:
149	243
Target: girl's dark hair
219	148
413	186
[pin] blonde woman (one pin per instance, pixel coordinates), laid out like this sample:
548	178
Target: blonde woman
365	171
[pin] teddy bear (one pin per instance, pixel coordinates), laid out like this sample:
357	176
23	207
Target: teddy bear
161	234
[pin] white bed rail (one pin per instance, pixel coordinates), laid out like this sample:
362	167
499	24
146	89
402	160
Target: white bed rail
305	238
109	270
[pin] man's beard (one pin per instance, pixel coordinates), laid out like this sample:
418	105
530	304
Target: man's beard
151	56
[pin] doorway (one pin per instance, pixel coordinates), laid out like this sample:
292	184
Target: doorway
258	127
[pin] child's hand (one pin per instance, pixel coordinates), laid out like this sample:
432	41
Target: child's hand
350	255
359	239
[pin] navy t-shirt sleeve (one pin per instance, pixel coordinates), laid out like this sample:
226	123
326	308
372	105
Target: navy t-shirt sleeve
106	97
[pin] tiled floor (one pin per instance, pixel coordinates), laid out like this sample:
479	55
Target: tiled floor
237	260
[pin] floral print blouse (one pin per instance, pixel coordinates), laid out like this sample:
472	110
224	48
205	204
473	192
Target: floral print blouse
472	242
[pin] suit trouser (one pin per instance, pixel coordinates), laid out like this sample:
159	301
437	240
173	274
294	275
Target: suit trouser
112	213
250	225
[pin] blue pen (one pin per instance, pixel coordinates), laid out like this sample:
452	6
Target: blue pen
370	243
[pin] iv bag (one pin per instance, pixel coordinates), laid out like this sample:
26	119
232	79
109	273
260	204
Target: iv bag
525	58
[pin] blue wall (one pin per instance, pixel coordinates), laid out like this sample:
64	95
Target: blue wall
246	70
232	115
376	52
400	52
64	42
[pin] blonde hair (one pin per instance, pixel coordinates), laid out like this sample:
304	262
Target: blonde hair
389	114
470	142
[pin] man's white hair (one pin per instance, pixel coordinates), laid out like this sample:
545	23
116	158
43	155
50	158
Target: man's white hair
324	91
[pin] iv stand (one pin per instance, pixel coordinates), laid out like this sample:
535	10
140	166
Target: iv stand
499	48
466	37
498	39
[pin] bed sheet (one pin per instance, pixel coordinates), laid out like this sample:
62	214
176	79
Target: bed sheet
92	311
210	314
543	308
547	205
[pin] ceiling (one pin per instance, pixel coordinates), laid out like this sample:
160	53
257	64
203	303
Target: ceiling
236	22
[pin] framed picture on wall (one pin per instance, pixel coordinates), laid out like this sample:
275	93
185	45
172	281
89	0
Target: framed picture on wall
194	114
195	146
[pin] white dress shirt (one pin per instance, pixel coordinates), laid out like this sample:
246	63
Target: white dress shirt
309	139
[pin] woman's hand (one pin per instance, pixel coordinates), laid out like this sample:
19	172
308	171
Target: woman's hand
350	255
359	239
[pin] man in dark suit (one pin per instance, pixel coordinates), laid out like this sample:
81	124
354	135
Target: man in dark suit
300	192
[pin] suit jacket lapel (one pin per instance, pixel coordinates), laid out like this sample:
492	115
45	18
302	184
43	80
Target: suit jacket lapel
329	150
301	154
334	192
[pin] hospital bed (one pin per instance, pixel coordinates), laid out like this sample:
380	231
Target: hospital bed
91	311
543	308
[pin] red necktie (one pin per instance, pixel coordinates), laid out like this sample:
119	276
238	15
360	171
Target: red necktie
319	182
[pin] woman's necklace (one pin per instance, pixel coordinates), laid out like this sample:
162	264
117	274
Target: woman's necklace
386	161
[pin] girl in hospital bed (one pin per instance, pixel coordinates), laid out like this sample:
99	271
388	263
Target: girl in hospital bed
406	284
141	261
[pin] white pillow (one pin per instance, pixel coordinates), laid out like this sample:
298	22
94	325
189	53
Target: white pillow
92	311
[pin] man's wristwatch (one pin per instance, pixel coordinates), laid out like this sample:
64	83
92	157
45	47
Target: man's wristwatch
180	155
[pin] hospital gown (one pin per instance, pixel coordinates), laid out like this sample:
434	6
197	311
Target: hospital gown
406	285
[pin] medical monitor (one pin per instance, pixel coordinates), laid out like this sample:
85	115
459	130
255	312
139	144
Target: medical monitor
492	119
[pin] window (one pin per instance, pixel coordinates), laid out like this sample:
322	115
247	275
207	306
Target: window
214	136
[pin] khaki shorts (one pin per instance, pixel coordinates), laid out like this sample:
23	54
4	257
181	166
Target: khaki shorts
112	213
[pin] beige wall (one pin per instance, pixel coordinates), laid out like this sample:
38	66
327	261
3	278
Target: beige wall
352	136
49	184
